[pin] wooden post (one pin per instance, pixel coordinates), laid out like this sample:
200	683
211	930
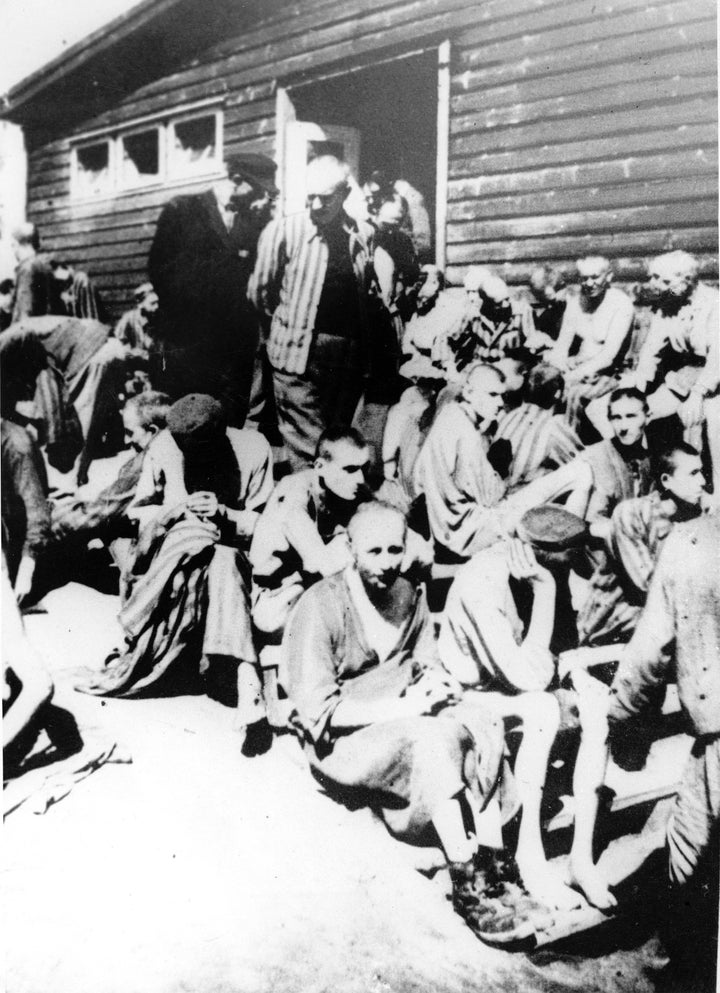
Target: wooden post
443	145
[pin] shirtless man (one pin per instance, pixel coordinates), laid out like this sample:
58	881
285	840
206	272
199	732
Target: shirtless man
595	327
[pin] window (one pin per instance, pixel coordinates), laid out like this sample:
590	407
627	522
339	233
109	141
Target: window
171	150
193	145
140	161
91	172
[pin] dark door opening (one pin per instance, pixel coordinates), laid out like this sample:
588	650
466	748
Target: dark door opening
392	108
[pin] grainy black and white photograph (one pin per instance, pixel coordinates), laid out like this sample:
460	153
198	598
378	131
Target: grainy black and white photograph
360	396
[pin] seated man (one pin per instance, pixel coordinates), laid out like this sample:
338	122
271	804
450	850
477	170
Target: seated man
78	519
540	439
379	716
637	529
200	494
466	498
593	337
301	536
83	383
677	640
509	664
78	293
678	365
408	423
618	590
25	508
492	324
137	331
616	469
542	318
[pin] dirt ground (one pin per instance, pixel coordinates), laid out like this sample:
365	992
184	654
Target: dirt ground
195	869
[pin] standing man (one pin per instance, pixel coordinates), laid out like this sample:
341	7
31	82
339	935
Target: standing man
199	264
676	640
313	274
36	290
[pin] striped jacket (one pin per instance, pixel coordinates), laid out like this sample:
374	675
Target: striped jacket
540	440
288	279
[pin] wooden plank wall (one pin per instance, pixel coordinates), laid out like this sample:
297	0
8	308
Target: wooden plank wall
584	126
575	125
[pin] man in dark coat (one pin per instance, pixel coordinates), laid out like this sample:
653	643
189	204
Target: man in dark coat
201	258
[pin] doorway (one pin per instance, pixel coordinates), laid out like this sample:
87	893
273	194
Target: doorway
383	117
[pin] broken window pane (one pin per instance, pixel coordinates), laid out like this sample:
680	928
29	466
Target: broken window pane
195	145
92	172
141	158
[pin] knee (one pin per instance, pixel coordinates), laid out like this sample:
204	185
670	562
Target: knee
541	715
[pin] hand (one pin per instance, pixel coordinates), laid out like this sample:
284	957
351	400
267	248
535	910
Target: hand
24	579
676	337
433	690
524	565
691	411
203	503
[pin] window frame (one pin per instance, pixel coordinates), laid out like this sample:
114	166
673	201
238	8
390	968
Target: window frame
75	174
122	184
169	175
172	172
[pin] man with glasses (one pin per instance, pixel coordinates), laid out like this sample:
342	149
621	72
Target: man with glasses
312	276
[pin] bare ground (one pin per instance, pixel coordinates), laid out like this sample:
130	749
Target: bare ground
195	869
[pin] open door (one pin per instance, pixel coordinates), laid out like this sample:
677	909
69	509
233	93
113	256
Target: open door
346	111
302	141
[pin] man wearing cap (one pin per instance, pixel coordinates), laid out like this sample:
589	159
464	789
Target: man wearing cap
200	494
313	276
199	264
508	661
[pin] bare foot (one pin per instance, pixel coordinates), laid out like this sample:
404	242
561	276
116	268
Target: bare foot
590	881
547	887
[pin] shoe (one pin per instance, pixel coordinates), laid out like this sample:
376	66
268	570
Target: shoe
258	738
493	913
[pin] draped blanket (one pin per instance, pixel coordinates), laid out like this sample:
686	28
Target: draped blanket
187	589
